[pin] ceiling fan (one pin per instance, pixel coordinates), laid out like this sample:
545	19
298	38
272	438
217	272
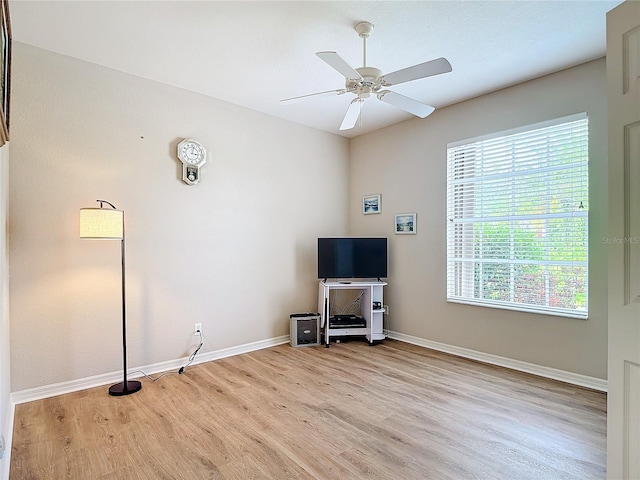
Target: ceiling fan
366	81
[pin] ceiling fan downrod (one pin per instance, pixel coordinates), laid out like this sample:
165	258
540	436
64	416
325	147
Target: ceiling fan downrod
364	29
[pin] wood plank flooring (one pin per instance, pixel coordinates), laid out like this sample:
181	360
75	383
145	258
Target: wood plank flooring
391	411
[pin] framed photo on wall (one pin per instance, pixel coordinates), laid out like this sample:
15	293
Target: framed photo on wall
371	204
406	223
5	70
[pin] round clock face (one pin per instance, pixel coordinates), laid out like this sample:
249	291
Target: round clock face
191	152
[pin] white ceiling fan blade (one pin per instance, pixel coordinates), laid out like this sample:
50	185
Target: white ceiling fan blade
353	112
405	103
422	70
288	101
334	61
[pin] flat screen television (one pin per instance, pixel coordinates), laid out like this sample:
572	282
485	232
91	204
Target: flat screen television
352	257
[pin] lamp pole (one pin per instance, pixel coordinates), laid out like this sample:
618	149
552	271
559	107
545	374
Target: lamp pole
126	387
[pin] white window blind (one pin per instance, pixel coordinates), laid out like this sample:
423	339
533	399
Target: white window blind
517	218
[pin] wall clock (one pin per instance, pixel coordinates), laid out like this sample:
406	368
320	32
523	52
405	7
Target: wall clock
193	155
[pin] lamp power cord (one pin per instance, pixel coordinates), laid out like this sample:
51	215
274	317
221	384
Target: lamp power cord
181	369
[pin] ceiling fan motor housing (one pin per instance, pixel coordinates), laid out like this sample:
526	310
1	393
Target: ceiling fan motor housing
368	84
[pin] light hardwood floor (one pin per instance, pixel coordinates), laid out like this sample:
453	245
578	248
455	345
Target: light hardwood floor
391	411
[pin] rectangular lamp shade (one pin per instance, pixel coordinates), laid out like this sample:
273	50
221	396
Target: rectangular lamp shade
101	223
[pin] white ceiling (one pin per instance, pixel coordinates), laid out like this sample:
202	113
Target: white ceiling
254	53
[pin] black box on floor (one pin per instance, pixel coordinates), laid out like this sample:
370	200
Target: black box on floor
304	329
347	321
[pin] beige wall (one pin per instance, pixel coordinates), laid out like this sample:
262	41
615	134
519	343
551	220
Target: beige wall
235	253
406	163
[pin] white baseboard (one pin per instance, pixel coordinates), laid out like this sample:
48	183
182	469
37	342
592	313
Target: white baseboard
38	393
47	391
547	372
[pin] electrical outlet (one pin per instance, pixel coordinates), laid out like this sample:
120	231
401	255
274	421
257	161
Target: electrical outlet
197	328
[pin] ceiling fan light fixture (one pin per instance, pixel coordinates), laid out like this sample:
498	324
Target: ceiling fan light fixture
365	92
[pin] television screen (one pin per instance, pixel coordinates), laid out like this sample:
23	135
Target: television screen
352	257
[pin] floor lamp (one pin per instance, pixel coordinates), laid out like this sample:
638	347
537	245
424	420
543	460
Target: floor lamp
108	224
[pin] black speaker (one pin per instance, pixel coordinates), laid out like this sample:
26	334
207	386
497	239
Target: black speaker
305	329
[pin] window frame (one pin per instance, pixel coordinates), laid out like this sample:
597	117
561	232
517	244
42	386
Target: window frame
461	245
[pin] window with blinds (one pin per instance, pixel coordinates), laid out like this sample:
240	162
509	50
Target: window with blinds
517	218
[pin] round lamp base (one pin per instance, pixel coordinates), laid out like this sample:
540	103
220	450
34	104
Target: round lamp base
120	389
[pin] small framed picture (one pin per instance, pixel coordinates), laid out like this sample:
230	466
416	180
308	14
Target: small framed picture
371	204
406	223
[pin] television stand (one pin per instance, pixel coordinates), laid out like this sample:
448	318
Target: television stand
372	318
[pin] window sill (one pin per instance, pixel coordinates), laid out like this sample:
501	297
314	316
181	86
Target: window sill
580	315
